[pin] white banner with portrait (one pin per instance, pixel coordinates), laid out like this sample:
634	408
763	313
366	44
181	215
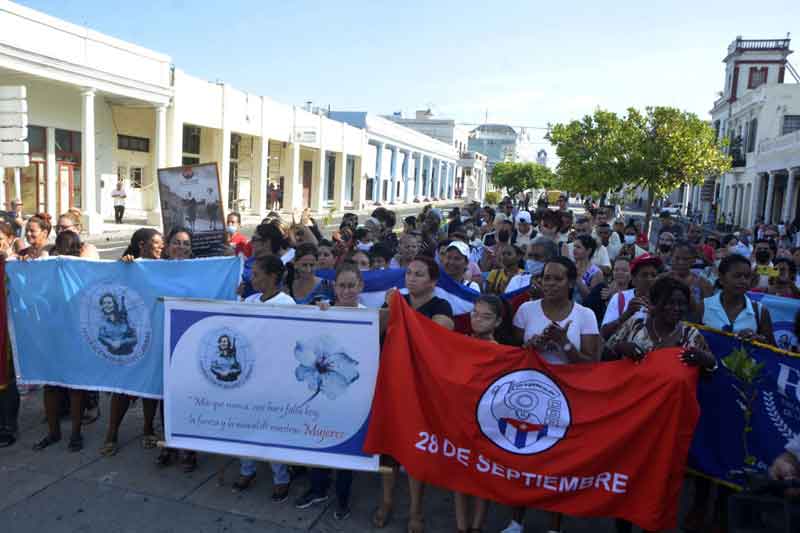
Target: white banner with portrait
281	383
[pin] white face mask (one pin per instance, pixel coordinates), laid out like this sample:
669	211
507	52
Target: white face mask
630	239
364	246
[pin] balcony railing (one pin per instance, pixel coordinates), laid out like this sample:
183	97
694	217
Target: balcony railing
759	44
739	160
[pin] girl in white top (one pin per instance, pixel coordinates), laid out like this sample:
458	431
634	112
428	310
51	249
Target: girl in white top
268	274
560	330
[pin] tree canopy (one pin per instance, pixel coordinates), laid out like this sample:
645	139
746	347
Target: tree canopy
658	150
518	177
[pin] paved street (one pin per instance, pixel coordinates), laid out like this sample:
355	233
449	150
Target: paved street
57	491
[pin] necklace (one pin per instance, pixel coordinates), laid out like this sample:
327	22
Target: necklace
658	338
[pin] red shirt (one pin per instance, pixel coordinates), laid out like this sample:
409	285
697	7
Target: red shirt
241	244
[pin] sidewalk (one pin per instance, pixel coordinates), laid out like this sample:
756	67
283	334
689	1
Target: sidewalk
112	231
58	491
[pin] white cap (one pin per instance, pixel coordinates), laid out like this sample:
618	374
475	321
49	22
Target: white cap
461	247
524	216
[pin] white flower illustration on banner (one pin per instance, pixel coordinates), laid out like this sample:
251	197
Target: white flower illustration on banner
325	367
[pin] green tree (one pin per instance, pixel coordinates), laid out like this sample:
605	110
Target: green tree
519	177
658	150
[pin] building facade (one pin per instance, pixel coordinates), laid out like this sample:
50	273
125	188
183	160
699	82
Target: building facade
497	141
758	113
101	110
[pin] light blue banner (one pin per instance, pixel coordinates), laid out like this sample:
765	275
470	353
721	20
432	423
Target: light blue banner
99	325
782	311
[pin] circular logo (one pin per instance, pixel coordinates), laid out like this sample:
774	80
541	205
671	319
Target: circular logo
524	412
226	358
115	322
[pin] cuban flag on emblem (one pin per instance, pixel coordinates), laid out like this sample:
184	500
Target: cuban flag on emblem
521	433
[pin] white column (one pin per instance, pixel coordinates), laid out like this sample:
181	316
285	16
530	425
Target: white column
51	173
224	157
93	222
437	170
263	177
756	199
788	196
429	179
376	190
452	192
340	182
293	196
419	166
393	176
18	186
770	192
407	159
154	214
318	188
740	214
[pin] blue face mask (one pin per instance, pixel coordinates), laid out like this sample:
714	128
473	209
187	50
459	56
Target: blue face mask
231	229
534	267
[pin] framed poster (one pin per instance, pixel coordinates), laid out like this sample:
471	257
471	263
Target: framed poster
190	198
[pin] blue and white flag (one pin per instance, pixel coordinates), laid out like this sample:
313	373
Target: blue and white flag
99	325
782	311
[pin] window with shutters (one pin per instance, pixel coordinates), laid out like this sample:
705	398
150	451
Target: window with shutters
757	77
752	131
791	123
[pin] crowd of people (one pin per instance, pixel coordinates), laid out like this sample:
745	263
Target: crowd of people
579	288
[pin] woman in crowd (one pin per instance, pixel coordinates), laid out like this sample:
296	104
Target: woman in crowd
267	280
68	243
304	287
662	328
407	250
37	231
71	221
498	279
784	283
347	287
421	277
589	274
562	331
326	259
10	244
266	240
360	258
485	318
730	310
620	280
179	246
631	302
146	243
683	256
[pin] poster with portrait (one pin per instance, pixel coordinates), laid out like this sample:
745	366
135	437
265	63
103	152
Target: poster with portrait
281	383
190	198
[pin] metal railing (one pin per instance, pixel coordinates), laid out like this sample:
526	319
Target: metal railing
759	44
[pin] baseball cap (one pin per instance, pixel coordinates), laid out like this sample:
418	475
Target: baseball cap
645	259
461	247
524	216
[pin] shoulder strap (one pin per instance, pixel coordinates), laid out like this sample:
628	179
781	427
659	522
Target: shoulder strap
620	303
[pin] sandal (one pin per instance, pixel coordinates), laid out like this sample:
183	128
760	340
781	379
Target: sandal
75	443
149	442
109	449
48	440
382	516
189	462
416	524
243	483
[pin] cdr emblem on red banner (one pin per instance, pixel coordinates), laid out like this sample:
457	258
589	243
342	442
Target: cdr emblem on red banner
524	412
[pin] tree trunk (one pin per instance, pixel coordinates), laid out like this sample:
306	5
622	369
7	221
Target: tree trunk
648	214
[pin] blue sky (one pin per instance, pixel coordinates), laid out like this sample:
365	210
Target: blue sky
527	63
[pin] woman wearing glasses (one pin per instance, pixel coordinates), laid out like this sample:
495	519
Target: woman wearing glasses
71	221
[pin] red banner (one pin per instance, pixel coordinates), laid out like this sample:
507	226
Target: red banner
602	439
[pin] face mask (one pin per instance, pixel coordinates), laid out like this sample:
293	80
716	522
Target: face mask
364	246
664	248
534	267
762	256
630	239
470	234
231	229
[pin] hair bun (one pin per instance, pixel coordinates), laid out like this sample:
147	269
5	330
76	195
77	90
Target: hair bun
44	216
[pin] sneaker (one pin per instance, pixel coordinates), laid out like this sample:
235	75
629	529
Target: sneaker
342	511
308	499
513	527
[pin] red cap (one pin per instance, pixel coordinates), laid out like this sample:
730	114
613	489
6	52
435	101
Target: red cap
645	259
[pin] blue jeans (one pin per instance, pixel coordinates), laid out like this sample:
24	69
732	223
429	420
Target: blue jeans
321	481
280	472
